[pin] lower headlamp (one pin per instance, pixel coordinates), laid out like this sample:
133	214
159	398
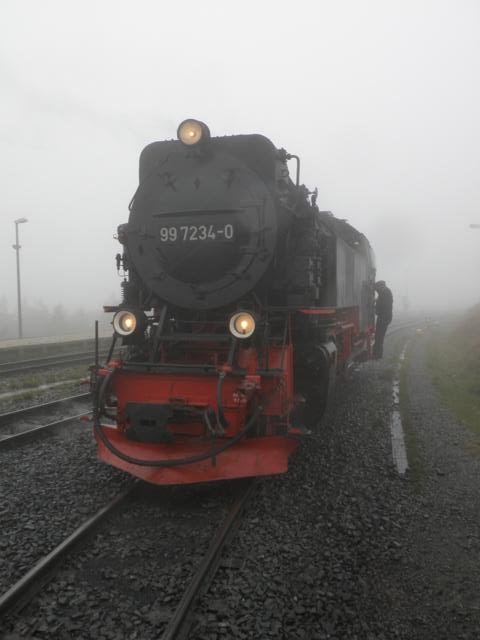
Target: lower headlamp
125	322
242	324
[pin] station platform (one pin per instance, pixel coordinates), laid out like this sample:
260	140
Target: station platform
26	348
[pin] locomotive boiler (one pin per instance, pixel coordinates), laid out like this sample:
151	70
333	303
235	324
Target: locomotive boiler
242	303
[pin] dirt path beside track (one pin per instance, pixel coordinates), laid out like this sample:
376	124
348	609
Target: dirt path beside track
435	588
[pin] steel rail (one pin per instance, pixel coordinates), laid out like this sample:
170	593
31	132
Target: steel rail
421	324
29	434
406	325
179	622
7	418
56	356
8	368
24	589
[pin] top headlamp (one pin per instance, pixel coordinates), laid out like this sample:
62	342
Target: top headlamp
192	132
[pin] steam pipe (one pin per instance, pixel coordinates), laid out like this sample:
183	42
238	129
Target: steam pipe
292	156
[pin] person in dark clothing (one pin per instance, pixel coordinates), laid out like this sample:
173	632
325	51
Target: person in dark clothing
383	311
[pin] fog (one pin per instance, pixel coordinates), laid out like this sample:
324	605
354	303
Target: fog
379	99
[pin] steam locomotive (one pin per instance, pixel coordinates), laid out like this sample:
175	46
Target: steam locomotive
242	304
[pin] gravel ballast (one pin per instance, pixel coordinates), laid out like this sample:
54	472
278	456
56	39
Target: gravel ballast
14	395
316	546
47	488
128	579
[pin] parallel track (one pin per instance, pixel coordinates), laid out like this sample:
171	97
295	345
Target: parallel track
8	420
407	325
67	359
22	592
31	583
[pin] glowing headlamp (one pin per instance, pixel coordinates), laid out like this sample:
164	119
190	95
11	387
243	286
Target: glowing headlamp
242	324
124	323
192	132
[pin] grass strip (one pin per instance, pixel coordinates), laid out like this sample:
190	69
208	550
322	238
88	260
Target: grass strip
453	362
37	379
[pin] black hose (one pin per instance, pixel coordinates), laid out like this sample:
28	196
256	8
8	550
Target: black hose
112	347
180	461
163	463
222	421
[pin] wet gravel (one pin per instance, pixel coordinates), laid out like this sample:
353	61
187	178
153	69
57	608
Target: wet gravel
45	415
47	488
18	392
439	582
315	550
128	580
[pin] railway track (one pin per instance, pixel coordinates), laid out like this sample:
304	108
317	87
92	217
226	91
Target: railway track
35	364
405	325
33	582
21	425
20	593
180	621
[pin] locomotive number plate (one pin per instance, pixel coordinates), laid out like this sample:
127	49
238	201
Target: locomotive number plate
197	233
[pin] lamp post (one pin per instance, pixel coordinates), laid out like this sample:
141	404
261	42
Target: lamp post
16	246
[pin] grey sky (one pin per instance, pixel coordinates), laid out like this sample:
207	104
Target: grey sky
380	100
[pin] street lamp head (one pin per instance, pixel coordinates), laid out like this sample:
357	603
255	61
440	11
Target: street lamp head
21	220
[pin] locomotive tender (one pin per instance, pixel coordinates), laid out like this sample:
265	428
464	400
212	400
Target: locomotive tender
242	303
